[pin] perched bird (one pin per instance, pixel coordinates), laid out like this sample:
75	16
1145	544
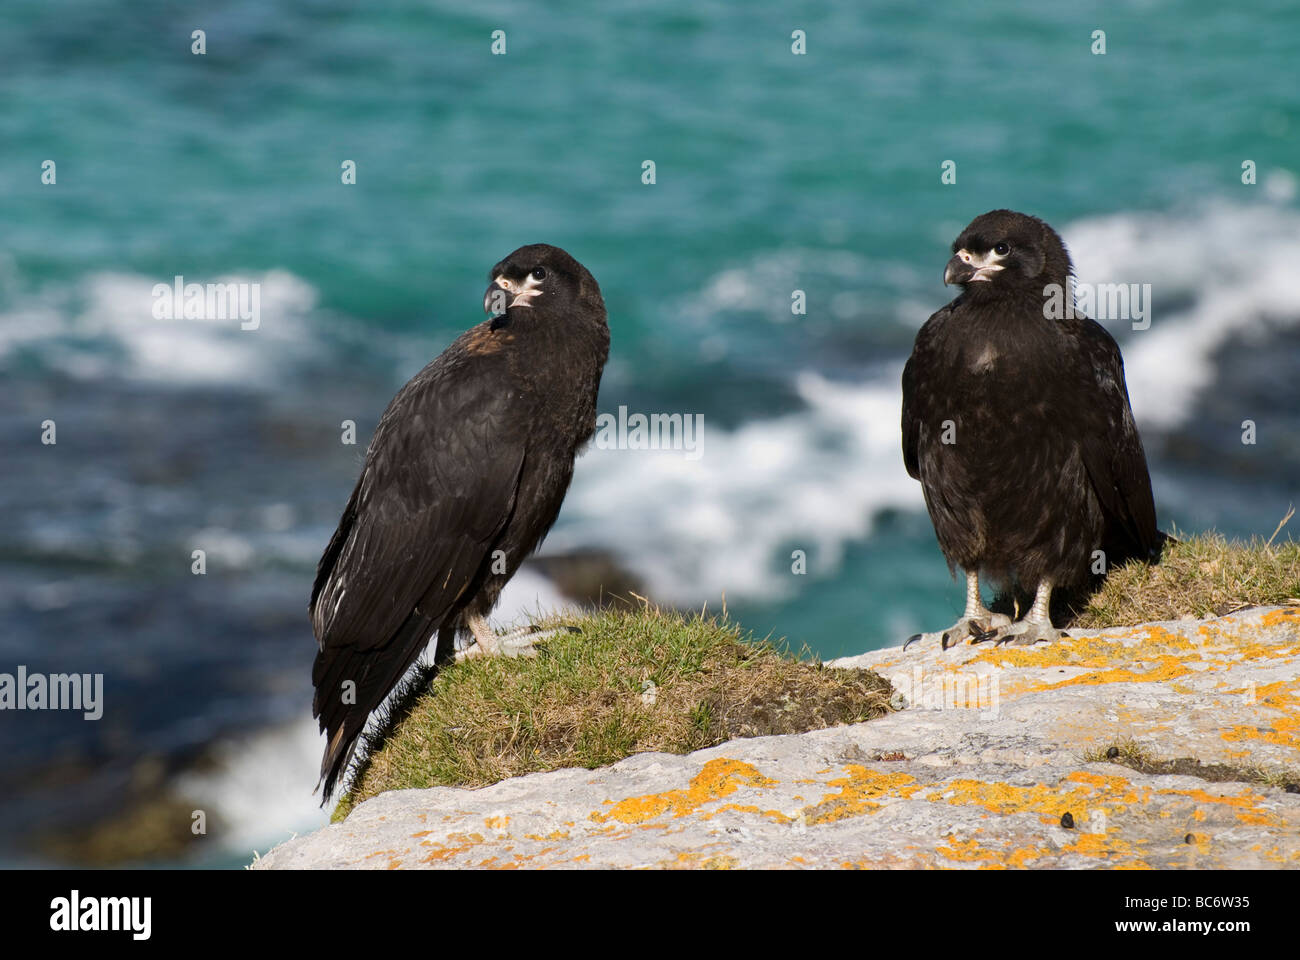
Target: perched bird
464	476
1018	426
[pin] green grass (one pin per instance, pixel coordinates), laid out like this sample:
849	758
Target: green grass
585	702
1203	575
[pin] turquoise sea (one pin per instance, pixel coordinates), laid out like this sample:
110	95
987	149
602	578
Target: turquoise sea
774	172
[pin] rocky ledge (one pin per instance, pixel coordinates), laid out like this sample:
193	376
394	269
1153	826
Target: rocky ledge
1172	744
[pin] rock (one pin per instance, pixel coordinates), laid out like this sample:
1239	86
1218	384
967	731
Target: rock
592	578
991	751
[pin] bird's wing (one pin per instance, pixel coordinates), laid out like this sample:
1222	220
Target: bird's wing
1110	445
912	403
438	485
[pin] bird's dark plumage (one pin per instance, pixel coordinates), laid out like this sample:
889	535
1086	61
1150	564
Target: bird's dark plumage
463	477
1018	426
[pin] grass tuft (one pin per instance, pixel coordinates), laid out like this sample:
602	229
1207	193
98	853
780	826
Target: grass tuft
632	681
1204	575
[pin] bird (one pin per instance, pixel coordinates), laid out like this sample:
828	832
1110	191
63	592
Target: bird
462	479
1017	423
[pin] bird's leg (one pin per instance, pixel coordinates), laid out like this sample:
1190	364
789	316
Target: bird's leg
977	622
517	643
1036	626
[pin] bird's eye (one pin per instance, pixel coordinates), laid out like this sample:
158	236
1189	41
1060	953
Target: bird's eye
1001	249
539	273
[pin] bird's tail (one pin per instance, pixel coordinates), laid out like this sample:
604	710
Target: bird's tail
338	757
350	685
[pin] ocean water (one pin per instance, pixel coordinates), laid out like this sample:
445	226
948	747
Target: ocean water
774	173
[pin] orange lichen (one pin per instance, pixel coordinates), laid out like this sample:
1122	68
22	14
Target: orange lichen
860	792
774	815
717	779
460	842
553	835
1284	730
965	851
1075	794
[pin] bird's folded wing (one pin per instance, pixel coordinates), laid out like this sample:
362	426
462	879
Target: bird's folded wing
439	484
1111	448
912	402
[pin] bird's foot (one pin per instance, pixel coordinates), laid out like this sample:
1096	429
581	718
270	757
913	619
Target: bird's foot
983	626
517	643
1026	633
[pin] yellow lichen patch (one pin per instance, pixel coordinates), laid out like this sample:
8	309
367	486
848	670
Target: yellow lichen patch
1260	819
966	851
1093	651
1075	794
553	835
860	792
1106	846
1285	729
459	843
695	860
1245	804
1165	668
717	779
774	815
1022	856
496	823
1283	616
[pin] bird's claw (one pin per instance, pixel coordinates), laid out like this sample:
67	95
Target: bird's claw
979	628
517	643
1026	633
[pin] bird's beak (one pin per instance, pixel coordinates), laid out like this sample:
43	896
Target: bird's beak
495	300
967	267
958	270
503	293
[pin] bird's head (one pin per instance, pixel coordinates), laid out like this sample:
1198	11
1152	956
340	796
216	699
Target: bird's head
544	281
1003	251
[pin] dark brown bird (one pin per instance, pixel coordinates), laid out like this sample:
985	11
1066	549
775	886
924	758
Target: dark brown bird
464	476
1018	426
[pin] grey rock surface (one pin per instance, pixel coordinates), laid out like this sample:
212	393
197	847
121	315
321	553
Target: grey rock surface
990	750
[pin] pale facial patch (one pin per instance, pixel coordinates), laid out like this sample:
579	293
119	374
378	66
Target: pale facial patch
523	292
986	264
